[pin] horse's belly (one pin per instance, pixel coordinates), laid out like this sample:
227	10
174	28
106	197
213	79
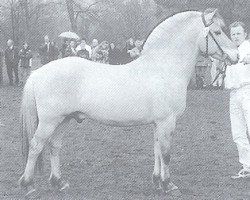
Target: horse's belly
117	107
128	102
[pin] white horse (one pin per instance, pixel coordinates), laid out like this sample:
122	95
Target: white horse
151	89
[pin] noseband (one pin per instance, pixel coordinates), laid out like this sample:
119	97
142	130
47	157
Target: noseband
209	32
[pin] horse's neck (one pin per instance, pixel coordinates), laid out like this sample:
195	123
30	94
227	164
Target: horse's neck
177	51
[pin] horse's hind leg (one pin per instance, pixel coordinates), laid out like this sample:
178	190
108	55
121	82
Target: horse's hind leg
157	165
163	133
55	145
44	130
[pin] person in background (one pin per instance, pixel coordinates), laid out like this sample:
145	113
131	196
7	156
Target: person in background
71	49
94	47
11	61
238	81
202	70
216	72
114	54
83	53
54	51
83	46
46	51
126	51
102	52
25	55
136	51
65	44
94	43
1	65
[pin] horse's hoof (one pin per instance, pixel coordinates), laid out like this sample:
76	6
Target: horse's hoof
58	183
30	192
24	184
156	179
28	186
64	186
168	187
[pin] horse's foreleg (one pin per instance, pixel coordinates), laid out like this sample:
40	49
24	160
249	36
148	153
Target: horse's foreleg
55	145
157	165
43	132
163	132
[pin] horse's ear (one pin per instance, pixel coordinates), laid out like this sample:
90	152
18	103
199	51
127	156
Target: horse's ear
210	16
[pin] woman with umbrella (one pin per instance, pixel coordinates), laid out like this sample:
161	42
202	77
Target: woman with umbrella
65	44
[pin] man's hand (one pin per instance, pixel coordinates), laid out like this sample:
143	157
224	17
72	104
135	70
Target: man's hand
246	60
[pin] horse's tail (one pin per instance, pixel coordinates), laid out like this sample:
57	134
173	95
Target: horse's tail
29	121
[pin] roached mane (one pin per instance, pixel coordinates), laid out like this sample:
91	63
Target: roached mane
217	19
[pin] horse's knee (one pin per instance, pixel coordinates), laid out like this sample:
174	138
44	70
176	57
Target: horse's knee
36	145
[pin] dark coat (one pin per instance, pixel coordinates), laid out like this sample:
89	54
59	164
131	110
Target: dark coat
83	53
63	49
11	56
126	58
48	54
25	56
114	56
70	52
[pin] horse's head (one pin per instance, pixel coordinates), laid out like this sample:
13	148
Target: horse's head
213	41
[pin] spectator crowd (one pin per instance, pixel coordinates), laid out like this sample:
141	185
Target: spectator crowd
19	61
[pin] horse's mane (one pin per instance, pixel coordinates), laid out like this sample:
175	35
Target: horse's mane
180	18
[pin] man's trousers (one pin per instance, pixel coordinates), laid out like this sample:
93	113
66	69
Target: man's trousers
10	70
240	122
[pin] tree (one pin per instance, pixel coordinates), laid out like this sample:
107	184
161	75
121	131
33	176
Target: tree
231	10
71	13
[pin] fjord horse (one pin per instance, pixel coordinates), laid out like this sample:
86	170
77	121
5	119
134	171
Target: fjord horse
149	90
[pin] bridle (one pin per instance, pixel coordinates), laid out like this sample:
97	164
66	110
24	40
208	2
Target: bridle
224	55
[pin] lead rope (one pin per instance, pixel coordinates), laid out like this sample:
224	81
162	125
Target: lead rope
223	75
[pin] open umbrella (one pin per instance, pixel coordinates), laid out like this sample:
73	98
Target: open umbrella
69	35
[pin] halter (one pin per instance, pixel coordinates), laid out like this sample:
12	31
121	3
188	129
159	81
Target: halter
209	32
224	55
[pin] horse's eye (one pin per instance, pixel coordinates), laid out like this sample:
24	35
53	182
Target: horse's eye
217	32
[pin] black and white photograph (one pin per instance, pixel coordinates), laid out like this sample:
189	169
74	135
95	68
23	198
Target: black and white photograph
125	99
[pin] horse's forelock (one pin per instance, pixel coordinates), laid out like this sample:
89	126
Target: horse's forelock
218	19
220	22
